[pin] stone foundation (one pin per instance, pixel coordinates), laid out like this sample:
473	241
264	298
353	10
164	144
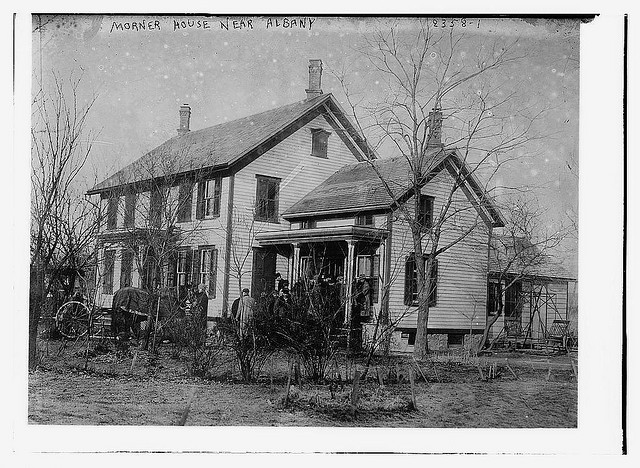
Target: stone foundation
438	342
471	343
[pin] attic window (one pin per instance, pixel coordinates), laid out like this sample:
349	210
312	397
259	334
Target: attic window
319	139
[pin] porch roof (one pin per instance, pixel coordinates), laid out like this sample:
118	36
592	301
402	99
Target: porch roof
323	234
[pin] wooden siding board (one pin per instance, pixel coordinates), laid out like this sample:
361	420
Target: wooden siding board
298	171
461	269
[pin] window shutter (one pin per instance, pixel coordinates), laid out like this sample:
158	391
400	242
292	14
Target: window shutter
213	269
195	267
200	201
172	269
433	289
409	268
217	196
187	269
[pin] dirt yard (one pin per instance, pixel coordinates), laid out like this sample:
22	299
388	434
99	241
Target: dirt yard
118	390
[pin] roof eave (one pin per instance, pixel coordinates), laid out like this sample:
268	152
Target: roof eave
346	211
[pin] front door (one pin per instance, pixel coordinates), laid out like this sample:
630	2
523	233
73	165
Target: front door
264	272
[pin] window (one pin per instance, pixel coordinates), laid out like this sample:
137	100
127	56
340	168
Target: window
155	208
319	140
209	192
369	266
185	196
411	282
109	264
308	224
130	210
126	266
267	192
513	300
455	339
364	220
425	212
150	269
183	268
205	266
494	293
112	212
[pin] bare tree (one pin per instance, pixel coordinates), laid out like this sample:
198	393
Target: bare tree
149	214
524	249
63	223
439	83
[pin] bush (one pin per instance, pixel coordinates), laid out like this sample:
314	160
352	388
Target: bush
189	333
308	330
253	344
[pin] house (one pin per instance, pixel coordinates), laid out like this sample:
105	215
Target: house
296	191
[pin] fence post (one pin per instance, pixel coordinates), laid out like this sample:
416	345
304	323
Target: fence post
354	392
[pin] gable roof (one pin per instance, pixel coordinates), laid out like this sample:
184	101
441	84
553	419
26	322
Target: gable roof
360	187
225	145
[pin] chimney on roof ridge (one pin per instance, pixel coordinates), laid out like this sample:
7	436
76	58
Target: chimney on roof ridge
185	117
434	120
315	78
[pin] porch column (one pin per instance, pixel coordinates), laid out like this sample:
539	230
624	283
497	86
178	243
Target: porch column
382	274
296	264
348	277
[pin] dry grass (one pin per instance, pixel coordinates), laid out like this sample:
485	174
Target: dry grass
156	391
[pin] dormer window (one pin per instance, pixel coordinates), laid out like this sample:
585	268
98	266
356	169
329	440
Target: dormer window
319	139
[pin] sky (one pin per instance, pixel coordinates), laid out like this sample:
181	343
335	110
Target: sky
141	77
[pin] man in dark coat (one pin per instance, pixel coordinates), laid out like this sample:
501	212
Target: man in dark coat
201	304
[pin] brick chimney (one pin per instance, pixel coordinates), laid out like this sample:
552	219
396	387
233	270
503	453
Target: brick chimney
185	117
434	120
315	79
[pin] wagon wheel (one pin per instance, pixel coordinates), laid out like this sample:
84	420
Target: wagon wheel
72	319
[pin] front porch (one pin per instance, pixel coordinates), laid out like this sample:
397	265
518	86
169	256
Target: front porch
337	256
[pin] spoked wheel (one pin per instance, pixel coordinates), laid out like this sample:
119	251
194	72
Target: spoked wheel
72	319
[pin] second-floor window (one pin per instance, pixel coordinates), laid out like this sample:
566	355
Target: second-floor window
130	210
155	208
185	196
425	212
267	198
308	224
364	220
209	194
112	212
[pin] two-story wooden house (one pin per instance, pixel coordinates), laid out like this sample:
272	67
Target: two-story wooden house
234	204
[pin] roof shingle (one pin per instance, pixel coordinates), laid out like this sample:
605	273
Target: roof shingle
360	186
220	145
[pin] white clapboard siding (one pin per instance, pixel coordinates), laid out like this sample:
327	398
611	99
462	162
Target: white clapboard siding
462	284
299	173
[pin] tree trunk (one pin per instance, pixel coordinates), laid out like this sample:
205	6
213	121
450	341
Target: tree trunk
490	323
36	301
423	271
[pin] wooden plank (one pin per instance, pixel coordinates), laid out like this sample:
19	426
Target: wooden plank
413	390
